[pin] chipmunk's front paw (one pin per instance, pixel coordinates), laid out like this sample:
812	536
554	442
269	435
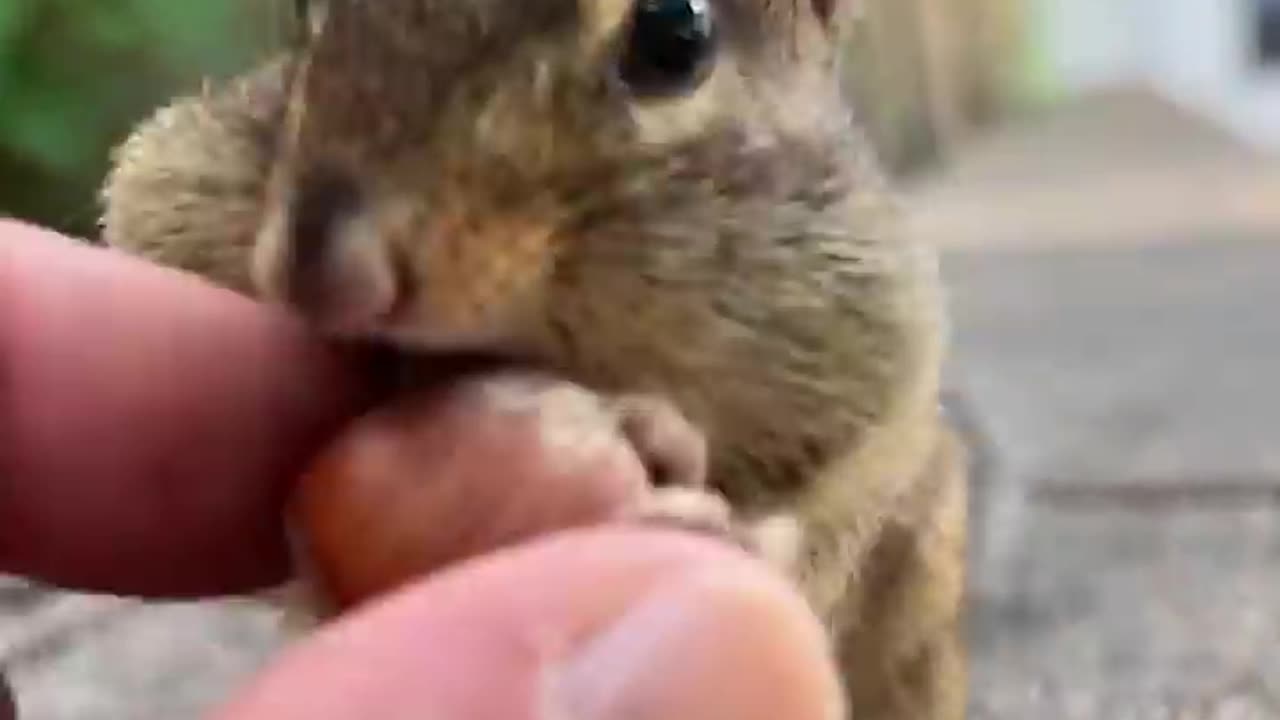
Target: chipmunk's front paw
673	451
675	454
689	509
776	540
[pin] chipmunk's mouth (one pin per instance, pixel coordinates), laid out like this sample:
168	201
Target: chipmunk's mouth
397	366
407	349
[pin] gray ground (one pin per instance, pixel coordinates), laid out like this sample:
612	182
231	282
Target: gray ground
1131	567
1116	277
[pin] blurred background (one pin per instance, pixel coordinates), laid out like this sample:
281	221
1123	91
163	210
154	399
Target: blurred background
1104	179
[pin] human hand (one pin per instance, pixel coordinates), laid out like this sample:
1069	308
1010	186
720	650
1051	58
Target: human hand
149	429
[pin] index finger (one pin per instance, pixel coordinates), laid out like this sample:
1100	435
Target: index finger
149	421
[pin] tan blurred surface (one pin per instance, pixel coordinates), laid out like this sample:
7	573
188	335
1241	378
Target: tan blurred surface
1116	274
1119	168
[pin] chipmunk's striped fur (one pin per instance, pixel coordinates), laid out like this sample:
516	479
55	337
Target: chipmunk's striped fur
454	174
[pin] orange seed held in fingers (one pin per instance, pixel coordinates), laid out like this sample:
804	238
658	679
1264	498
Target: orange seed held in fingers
454	472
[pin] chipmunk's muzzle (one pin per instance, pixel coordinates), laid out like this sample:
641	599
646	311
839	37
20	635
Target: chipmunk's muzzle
322	256
356	269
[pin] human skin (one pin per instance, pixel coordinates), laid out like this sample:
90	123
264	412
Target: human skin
149	428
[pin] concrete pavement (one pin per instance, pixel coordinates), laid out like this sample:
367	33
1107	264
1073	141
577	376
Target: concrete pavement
1118	338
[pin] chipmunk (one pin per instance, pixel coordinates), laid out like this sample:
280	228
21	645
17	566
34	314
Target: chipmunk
670	202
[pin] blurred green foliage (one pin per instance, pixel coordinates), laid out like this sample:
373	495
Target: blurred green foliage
76	75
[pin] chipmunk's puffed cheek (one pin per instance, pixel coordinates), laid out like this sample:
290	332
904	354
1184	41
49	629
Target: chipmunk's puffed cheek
473	279
454	473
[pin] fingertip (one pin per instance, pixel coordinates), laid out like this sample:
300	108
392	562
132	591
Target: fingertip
149	421
592	623
16	229
718	644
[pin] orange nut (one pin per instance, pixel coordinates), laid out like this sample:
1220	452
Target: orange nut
449	473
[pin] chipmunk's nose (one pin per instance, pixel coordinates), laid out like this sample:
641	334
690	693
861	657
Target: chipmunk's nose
336	269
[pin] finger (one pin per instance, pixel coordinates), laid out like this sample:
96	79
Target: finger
148	422
589	624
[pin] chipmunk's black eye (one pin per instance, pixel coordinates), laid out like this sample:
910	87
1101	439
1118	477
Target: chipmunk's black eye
668	47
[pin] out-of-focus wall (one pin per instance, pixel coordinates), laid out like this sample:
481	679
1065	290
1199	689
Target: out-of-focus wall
1198	53
925	74
1203	55
1087	44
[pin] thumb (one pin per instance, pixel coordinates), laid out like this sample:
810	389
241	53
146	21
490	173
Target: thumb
591	624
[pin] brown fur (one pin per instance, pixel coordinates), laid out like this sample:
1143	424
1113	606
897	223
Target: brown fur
733	249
